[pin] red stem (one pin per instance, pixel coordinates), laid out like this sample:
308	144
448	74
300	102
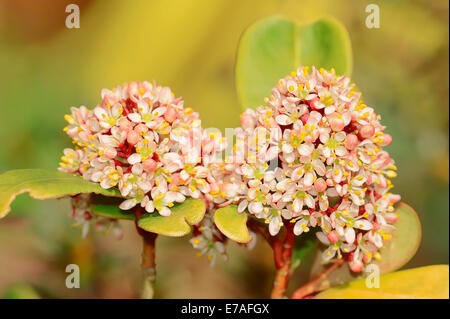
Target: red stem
282	250
315	284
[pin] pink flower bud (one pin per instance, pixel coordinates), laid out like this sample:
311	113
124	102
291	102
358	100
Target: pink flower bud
132	137
320	185
366	259
391	217
337	124
356	266
170	115
351	141
333	236
125	125
247	120
141	129
330	182
367	131
150	165
305	118
387	139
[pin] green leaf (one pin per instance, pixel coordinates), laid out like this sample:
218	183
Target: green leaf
44	184
189	212
272	47
395	254
112	211
232	224
429	282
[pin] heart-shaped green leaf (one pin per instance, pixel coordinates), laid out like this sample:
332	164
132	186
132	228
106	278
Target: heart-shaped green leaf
396	253
274	46
44	184
112	211
232	224
429	282
189	212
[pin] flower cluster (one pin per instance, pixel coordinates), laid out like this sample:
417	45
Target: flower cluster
313	155
141	140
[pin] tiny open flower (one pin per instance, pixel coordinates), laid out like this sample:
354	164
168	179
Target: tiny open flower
207	240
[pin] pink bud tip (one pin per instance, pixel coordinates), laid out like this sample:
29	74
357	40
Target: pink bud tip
351	141
366	259
305	118
125	125
320	185
356	266
367	131
141	128
391	217
387	139
132	137
150	165
247	120
333	236
337	124
170	115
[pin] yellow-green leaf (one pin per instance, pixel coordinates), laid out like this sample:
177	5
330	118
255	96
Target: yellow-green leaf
429	282
395	254
112	211
274	46
232	224
190	212
44	184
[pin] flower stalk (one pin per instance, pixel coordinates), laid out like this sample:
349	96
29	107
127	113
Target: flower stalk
282	250
315	284
148	263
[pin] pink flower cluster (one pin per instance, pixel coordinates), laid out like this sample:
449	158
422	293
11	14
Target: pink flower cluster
313	155
142	141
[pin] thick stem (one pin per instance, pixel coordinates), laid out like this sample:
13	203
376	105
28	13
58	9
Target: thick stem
315	284
148	259
148	265
282	251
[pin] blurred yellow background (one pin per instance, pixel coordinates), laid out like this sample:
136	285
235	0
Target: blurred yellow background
401	68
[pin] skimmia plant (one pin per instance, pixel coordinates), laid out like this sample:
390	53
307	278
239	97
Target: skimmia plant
308	170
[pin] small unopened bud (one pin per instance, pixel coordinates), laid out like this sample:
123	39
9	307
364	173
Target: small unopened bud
141	129
305	118
132	137
170	115
247	120
337	124
391	217
356	266
351	141
150	165
387	139
320	185
367	131
125	125
333	236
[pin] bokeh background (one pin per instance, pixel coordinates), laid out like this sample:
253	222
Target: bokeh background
45	68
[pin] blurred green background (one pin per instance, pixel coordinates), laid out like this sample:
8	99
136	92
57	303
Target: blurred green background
401	68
